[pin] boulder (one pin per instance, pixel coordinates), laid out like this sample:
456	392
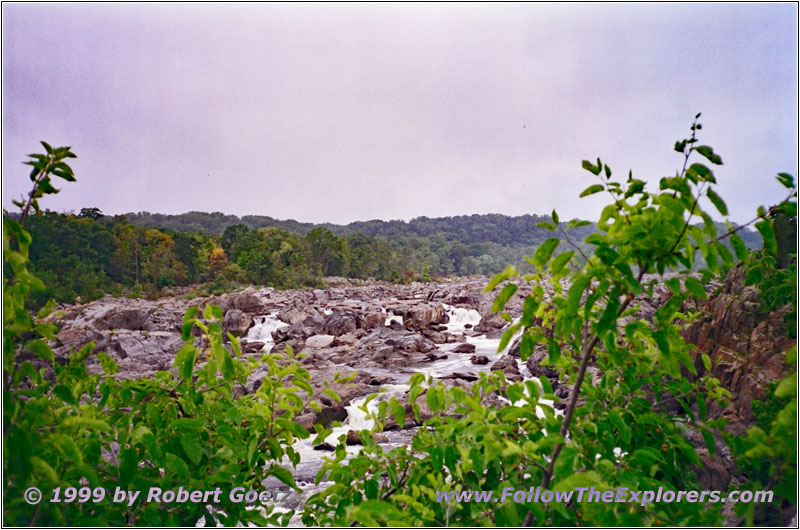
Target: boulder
508	365
492	325
479	359
341	322
533	363
319	341
301	330
373	320
248	301
79	337
464	348
292	315
334	412
423	315
115	317
236	323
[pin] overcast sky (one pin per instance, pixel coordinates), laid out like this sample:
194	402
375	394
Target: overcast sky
344	112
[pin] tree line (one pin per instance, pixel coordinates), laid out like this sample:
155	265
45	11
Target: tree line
86	255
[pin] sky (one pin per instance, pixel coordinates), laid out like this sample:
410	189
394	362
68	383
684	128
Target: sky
345	112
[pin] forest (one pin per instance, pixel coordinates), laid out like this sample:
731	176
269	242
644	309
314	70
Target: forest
86	255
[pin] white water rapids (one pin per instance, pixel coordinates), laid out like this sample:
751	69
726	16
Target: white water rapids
357	419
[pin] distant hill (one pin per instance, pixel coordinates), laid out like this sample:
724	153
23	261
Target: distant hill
504	230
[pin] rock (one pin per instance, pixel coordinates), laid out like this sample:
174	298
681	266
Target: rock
492	321
373	320
461	375
236	323
335	412
534	366
713	475
291	315
138	353
252	347
479	359
396	326
301	330
464	348
324	447
80	337
746	346
394	349
306	420
436	337
341	322
319	341
132	318
508	365
353	438
248	301
423	315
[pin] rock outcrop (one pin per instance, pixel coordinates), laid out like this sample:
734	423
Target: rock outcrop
747	347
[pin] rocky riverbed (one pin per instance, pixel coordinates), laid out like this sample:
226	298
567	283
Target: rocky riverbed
387	332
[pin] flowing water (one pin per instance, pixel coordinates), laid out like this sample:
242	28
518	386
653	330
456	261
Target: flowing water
311	460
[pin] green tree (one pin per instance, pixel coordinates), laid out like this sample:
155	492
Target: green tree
328	253
616	431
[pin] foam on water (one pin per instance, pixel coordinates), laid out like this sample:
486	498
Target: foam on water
263	328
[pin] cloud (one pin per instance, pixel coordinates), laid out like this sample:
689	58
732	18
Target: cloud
349	112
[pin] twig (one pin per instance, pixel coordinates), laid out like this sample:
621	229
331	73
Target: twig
573	400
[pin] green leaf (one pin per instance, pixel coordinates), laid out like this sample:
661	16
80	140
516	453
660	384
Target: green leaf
554	215
129	464
42	350
109	365
332	394
398	412
184	361
709	153
192	447
717	201
786	180
576	292
764	227
510	272
503	297
706	361
558	264
591	190
695	288
553	351
724	253
740	248
544	252
86	423
529	307
578	224
708	437
588	166
526	346
546	226
547	387
787	387
176	465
